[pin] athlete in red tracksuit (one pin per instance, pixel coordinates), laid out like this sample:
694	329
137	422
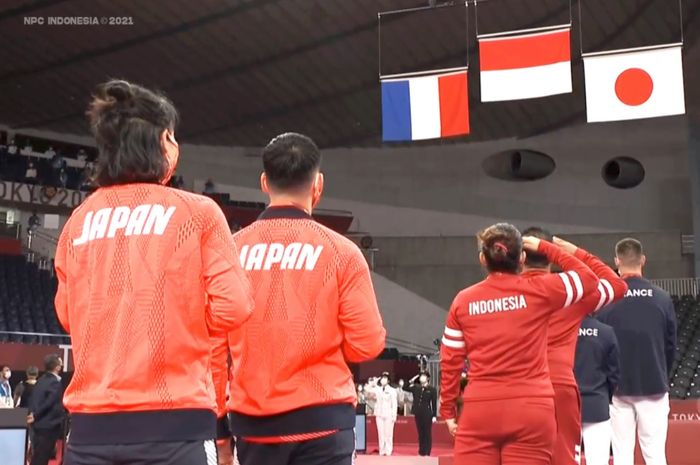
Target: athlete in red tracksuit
500	325
562	336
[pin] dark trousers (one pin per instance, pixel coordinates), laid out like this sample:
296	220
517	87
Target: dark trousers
336	449
44	445
151	453
424	424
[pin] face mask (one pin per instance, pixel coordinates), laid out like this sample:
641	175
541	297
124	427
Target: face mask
423	379
384	381
401	383
8	374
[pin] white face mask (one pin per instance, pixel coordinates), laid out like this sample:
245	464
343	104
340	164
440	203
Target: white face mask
423	379
401	383
8	374
384	381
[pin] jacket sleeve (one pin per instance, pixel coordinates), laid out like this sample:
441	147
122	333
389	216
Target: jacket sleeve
670	336
613	364
610	286
220	377
229	299
569	287
453	352
358	313
61	299
395	405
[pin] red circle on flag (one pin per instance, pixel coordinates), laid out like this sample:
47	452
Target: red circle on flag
634	87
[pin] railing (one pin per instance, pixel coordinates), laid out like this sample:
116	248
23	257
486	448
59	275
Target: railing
679	286
64	339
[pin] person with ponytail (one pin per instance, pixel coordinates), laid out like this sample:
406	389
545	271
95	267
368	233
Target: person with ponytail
500	326
146	275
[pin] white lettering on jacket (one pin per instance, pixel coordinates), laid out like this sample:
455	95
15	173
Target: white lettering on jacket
504	304
142	220
294	256
588	332
639	293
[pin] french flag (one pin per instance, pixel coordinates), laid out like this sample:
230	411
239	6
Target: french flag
525	66
425	107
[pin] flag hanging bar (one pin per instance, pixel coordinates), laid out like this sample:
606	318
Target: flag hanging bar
388	77
634	49
420	8
524	31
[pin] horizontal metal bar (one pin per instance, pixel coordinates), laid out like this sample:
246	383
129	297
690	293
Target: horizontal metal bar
390	77
635	49
419	8
523	31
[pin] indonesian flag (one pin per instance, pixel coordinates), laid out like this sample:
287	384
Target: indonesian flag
426	107
634	85
525	66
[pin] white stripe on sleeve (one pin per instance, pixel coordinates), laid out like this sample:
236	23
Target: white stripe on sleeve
569	290
579	285
603	297
608	287
452	332
453	344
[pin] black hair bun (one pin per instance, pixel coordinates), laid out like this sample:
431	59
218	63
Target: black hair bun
120	91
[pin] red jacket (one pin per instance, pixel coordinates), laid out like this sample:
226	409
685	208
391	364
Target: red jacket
145	273
500	325
562	333
315	311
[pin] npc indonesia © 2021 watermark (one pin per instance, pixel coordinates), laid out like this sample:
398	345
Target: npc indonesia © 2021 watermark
78	21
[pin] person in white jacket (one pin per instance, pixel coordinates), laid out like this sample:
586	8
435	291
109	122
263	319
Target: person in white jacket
385	411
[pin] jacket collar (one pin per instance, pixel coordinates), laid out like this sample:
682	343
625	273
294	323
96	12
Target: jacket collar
271	213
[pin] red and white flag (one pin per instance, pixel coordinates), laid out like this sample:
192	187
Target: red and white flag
634	85
525	66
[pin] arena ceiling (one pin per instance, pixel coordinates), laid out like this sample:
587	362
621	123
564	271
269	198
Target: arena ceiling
241	71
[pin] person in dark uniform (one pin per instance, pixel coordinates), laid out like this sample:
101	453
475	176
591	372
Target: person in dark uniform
424	410
597	370
47	411
645	327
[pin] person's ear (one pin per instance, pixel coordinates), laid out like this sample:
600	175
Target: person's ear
523	256
643	261
482	259
263	183
317	189
617	262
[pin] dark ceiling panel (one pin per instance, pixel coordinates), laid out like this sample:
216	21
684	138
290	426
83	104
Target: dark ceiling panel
242	70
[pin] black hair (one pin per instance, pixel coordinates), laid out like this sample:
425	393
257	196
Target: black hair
51	362
127	121
502	246
32	372
629	251
533	259
290	161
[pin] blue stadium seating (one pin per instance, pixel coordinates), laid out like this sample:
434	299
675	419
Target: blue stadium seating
685	373
26	301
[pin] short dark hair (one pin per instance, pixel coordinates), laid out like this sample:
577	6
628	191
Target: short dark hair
127	121
32	372
629	251
51	362
502	245
2	367
533	259
290	161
